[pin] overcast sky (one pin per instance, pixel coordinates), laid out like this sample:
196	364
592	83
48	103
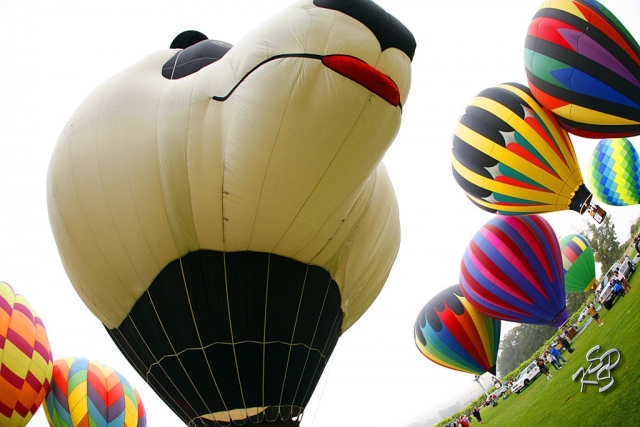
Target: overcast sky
56	53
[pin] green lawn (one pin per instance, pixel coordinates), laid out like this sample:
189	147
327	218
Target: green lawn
559	402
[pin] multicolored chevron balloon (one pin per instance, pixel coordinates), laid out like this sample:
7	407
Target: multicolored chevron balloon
25	359
578	263
614	173
142	414
87	394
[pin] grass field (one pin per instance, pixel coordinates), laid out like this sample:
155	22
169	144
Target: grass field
559	401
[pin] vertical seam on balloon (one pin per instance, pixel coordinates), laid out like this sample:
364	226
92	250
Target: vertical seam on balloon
264	329
195	324
328	241
188	177
137	214
292	338
266	169
175	64
233	343
293	333
322	353
121	286
68	231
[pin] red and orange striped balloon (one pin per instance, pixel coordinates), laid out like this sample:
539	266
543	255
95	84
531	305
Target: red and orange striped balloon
25	359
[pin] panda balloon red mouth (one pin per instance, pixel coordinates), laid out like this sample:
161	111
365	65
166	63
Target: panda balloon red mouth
348	66
365	75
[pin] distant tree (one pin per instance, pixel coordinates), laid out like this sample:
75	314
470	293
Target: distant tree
575	300
520	343
635	227
444	413
604	241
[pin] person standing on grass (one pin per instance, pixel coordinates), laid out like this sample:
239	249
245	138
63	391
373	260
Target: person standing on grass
594	314
617	275
565	342
476	413
551	359
553	350
543	367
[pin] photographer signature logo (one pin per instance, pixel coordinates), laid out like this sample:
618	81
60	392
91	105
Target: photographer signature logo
602	368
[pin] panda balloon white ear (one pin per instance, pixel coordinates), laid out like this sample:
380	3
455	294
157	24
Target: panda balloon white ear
186	39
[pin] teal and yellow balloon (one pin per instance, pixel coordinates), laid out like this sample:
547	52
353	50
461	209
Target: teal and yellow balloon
614	173
449	331
578	262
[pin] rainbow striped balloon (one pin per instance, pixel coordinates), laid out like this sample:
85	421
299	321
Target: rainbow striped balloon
512	270
452	333
578	263
614	173
142	414
584	65
87	394
25	359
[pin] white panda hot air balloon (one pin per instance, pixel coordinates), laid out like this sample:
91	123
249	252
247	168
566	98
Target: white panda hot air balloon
224	210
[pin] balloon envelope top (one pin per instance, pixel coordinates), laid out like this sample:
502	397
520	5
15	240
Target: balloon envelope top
584	65
512	270
614	172
511	156
452	333
578	263
25	359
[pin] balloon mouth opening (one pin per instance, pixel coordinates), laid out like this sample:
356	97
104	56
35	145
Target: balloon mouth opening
582	200
285	415
560	319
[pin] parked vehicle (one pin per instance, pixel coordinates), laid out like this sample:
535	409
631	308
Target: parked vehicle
583	314
605	293
500	391
526	377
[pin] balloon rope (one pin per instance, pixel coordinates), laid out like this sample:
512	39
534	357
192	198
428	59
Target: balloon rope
157	362
293	334
172	347
324	350
264	327
324	386
233	343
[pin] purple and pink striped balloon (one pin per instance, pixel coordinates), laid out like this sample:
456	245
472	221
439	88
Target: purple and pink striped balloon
512	270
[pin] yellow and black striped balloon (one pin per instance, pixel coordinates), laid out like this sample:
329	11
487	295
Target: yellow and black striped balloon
511	156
